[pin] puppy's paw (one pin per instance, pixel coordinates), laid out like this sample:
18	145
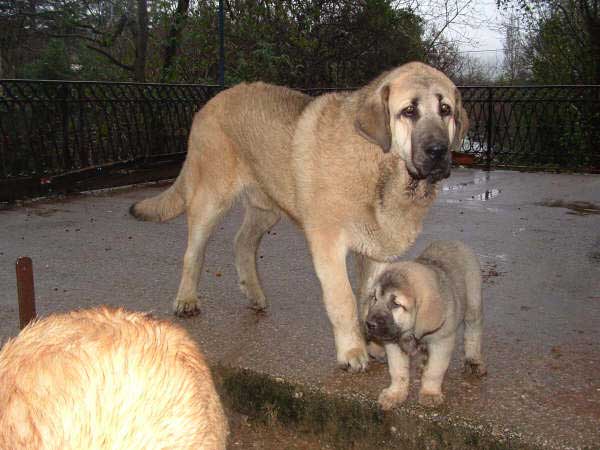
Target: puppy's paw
431	400
186	307
474	368
390	398
354	360
258	304
377	352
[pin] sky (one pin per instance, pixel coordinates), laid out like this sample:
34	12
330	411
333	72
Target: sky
486	36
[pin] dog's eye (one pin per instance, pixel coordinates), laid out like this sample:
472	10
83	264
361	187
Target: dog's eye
409	111
445	109
396	302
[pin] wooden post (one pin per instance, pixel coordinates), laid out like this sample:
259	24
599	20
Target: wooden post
25	290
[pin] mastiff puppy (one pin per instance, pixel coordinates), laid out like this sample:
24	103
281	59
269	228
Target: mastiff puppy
420	305
107	379
357	171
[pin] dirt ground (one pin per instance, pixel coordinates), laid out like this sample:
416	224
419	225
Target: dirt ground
247	434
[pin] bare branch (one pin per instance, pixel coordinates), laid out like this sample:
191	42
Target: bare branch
111	58
71	36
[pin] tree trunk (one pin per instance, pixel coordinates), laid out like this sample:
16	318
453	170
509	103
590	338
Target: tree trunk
141	41
593	29
174	37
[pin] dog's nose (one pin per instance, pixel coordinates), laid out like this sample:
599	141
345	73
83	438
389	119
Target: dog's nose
436	151
375	322
371	324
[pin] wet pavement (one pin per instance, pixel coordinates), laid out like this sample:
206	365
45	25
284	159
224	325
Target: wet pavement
537	235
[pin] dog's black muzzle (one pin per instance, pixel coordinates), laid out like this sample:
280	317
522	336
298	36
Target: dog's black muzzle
381	327
432	162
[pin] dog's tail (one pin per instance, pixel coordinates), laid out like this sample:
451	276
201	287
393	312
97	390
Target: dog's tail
165	206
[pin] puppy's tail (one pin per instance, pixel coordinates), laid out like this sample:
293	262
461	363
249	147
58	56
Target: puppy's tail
165	206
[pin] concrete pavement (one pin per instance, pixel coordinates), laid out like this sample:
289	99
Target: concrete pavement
538	237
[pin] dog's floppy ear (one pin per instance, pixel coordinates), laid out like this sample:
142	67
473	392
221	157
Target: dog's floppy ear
461	119
430	308
373	120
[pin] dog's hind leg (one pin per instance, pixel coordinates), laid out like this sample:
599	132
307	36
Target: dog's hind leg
473	338
257	222
204	212
213	179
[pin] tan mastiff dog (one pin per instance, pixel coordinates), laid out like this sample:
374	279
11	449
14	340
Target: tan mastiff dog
421	304
357	171
107	379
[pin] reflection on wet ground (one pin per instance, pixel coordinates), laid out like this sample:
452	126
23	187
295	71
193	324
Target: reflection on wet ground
479	178
487	195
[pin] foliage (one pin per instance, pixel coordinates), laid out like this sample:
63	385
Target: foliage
301	43
563	39
313	43
52	64
562	46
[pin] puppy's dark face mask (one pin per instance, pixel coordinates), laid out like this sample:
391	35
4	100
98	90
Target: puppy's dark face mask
380	326
390	316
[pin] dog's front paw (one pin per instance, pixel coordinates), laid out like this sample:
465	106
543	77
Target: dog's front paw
258	304
256	299
474	368
186	307
354	360
431	400
390	398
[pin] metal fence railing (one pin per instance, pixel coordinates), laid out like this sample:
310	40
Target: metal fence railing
552	127
51	129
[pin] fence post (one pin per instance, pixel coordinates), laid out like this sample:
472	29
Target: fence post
64	94
490	123
25	291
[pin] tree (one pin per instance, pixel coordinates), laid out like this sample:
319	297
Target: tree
446	21
313	43
173	39
563	39
515	67
302	43
116	30
562	44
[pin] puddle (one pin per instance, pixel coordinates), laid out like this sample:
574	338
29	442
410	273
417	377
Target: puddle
479	179
577	208
487	195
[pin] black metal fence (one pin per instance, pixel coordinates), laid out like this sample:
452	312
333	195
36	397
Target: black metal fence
53	134
541	127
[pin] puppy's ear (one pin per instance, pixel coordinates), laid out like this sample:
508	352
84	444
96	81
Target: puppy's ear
373	120
430	310
461	120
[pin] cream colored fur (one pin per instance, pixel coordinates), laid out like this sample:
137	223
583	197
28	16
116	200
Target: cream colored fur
107	379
